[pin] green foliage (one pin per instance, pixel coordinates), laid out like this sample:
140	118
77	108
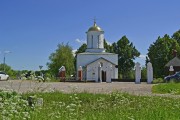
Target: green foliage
131	74
45	76
126	54
144	73
109	48
12	73
81	49
160	53
61	57
158	80
176	36
174	80
171	88
5	67
88	106
114	106
13	106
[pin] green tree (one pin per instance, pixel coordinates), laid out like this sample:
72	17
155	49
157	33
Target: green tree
5	67
160	53
126	54
12	73
109	48
176	36
114	48
81	49
63	56
144	73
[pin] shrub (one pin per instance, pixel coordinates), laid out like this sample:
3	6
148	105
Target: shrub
158	80
13	106
174	81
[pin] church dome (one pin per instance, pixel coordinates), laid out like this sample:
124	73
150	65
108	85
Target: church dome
95	28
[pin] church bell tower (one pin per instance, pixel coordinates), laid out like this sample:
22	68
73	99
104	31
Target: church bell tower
95	39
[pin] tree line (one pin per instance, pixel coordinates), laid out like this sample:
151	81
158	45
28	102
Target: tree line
159	53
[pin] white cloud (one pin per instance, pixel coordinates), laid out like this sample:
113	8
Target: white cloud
109	43
143	57
80	41
74	51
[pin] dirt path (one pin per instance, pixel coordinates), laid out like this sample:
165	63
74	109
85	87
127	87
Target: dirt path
25	86
67	87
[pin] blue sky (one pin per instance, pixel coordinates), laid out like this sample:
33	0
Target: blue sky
32	29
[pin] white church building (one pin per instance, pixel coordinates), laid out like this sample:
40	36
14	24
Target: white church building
96	64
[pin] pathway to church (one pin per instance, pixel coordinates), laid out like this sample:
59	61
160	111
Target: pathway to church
68	87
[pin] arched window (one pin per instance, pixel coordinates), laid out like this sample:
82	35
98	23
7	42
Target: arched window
92	41
98	41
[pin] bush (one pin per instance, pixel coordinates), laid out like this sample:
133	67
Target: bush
13	106
174	81
158	80
40	78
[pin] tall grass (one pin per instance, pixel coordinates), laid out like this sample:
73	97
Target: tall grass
87	106
171	88
13	107
115	106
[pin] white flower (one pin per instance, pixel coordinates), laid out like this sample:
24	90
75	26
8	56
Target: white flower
73	105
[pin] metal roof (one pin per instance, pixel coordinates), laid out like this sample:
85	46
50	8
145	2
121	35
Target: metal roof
174	62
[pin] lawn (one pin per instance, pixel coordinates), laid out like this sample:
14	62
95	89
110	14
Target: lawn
86	106
163	88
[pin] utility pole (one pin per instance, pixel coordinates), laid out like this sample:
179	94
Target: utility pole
4	64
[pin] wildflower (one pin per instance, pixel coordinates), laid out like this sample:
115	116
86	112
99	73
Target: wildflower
68	107
73	105
71	110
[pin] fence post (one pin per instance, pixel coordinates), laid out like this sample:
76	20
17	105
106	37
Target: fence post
138	73
149	73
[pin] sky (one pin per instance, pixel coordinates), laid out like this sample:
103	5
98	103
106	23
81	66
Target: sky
32	29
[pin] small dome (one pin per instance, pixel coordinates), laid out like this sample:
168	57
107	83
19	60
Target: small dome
95	28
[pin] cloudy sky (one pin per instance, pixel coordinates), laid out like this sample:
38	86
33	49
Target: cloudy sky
32	29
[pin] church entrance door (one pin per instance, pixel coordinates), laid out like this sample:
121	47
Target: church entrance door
103	76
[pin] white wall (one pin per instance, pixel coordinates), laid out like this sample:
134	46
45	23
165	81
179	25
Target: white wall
86	58
92	69
94	73
95	39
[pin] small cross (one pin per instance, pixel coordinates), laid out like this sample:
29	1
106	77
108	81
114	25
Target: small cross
94	20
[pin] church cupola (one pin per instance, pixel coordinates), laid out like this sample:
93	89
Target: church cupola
95	39
95	28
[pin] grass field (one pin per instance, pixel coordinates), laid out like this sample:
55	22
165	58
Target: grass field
86	106
163	88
